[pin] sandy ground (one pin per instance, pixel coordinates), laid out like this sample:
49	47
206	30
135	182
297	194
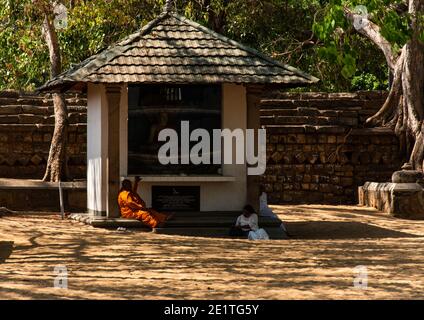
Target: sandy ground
318	263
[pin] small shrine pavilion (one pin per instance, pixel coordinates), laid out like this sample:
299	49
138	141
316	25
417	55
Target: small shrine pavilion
170	71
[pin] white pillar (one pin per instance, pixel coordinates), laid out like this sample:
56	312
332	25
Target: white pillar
96	150
103	149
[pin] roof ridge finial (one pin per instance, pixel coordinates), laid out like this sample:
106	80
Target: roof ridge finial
168	6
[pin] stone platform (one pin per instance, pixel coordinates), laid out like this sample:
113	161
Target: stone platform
401	200
202	224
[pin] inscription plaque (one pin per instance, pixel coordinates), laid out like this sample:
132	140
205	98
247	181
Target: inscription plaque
176	198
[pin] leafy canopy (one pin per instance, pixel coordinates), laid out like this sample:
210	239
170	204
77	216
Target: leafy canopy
312	35
340	39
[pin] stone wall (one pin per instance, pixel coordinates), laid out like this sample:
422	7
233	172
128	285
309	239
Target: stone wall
318	149
26	129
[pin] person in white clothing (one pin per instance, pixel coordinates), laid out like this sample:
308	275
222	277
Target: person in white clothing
247	226
246	222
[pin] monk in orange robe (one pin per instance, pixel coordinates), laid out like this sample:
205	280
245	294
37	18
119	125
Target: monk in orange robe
133	207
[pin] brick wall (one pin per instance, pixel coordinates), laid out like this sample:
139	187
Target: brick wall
26	129
318	149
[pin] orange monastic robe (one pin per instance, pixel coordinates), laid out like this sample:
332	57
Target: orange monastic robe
133	207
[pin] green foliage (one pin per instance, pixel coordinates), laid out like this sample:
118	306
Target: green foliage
22	55
368	81
396	29
312	35
92	25
342	47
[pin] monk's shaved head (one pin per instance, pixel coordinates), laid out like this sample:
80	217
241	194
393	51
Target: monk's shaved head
126	185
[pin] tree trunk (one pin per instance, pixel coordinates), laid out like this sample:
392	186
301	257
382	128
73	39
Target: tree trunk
56	169
404	108
413	100
56	166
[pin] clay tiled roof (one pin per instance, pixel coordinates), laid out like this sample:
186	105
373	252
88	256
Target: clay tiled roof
173	49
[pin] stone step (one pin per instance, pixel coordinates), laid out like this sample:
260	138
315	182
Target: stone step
309	120
10	109
291	129
9	119
38	101
310	112
205	222
333	104
38	110
110	223
362	95
274	233
195	222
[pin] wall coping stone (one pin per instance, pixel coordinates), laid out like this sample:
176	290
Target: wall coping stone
38	184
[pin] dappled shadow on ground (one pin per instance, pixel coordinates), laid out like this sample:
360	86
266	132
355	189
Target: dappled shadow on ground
137	265
340	230
6	248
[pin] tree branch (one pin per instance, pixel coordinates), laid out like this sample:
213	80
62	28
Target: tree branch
53	45
50	37
372	32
